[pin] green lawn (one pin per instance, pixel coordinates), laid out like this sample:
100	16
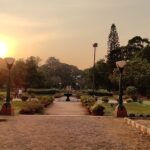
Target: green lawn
137	108
134	107
17	105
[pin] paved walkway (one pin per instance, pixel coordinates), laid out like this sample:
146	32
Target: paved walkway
46	132
61	107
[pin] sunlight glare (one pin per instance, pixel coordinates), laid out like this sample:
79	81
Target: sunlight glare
3	49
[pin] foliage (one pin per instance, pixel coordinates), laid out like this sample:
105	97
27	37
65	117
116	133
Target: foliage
129	100
100	92
105	99
19	72
58	95
46	100
42	91
56	72
32	107
87	101
137	73
131	90
2	96
24	97
34	75
97	109
36	107
113	41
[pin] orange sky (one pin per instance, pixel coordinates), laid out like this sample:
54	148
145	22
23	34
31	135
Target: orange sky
66	29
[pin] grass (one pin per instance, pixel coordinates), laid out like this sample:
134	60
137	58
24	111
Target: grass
132	108
108	109
17	105
137	108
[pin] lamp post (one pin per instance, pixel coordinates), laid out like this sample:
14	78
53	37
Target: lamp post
120	110
7	108
95	45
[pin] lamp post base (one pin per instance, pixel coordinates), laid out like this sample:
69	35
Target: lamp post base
7	109
120	111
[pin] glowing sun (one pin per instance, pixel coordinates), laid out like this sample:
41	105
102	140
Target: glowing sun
3	49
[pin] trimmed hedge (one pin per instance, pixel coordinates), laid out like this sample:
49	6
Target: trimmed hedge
100	92
46	100
36	107
97	109
42	91
87	101
105	99
32	107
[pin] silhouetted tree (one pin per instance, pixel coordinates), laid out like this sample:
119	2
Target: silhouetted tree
34	75
56	72
113	45
135	46
19	72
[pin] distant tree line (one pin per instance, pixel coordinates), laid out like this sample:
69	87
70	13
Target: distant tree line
30	74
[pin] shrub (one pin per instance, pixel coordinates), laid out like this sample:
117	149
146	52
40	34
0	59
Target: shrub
58	95
100	92
132	92
129	100
46	100
88	101
140	101
24	97
42	91
32	107
134	97
97	109
2	96
78	95
36	107
105	99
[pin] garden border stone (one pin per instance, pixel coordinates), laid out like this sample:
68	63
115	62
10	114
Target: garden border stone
134	124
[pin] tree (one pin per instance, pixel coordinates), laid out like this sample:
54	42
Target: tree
145	53
113	44
135	46
102	71
19	72
56	72
34	75
137	73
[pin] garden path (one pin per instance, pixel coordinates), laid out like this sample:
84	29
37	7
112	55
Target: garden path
47	132
61	107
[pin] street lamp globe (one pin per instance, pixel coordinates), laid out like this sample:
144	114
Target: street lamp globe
95	44
10	61
121	64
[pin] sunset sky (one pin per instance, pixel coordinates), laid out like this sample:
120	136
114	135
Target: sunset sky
66	29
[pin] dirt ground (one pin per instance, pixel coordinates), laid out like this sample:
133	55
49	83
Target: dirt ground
47	132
